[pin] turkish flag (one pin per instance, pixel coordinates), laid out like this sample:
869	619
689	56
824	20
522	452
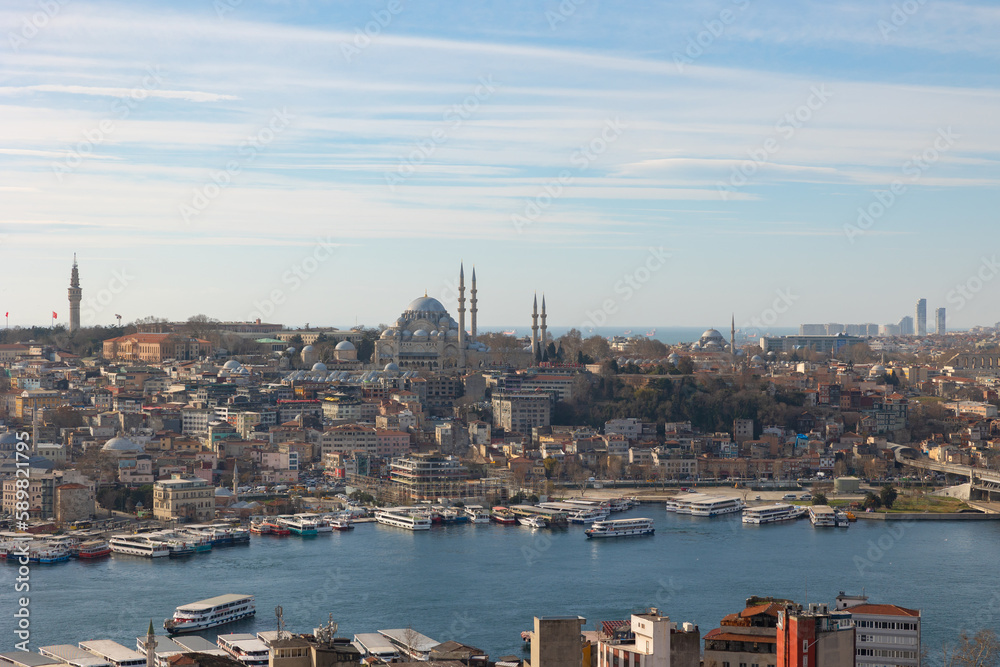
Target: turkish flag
54	316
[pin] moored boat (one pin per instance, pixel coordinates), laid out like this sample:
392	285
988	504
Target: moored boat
504	516
402	518
94	549
532	521
137	546
770	513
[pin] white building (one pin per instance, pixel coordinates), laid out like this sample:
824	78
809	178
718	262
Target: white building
887	635
647	645
631	428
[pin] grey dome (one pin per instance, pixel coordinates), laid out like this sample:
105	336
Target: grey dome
121	444
344	346
426	304
231	365
391	367
712	334
319	366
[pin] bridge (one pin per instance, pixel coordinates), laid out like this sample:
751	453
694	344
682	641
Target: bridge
984	485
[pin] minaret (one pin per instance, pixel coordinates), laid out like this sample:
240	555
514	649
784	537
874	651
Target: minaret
75	295
236	481
473	310
545	340
150	646
534	330
732	342
461	316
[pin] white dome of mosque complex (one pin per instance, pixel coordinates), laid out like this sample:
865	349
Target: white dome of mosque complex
426	337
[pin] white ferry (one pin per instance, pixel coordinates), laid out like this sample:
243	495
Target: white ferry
771	513
822	516
137	546
400	518
621	504
299	525
322	521
620	528
210	613
683	504
477	513
715	506
588	515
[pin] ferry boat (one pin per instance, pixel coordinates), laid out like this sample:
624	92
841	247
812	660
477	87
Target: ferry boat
588	515
682	504
503	516
532	521
48	555
341	523
269	528
771	513
403	519
454	515
841	519
299	525
210	613
620	528
822	516
620	504
477	514
716	506
137	546
94	549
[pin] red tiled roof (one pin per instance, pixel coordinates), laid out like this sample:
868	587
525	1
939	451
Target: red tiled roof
884	610
727	635
609	627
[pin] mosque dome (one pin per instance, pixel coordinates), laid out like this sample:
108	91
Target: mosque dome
231	365
426	304
712	335
756	359
344	346
318	367
385	334
391	367
877	369
420	333
121	444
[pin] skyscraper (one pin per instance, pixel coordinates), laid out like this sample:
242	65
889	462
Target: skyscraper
75	295
921	319
939	321
906	326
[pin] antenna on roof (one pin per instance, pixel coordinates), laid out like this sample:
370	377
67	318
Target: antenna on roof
279	612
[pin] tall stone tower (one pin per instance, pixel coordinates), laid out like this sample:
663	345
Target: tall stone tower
732	342
534	329
461	316
75	295
150	646
473	308
545	336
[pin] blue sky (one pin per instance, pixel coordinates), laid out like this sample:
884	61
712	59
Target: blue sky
641	163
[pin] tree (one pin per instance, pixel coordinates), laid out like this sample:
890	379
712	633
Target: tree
820	499
980	650
888	496
872	501
295	341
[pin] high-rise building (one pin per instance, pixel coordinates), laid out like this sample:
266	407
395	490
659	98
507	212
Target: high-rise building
75	295
921	318
939	321
906	326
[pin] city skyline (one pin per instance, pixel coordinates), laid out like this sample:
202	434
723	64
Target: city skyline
199	158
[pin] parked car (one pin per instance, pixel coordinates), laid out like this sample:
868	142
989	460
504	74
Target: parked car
788	496
806	496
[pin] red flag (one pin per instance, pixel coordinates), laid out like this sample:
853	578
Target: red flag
54	316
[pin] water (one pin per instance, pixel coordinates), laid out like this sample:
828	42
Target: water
482	584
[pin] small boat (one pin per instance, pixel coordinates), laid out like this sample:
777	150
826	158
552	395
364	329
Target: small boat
503	516
341	523
851	516
533	521
841	519
94	549
477	514
210	613
621	528
511	332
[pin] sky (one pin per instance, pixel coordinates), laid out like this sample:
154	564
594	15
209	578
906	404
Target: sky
645	163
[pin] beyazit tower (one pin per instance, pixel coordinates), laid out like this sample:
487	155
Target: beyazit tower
75	295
